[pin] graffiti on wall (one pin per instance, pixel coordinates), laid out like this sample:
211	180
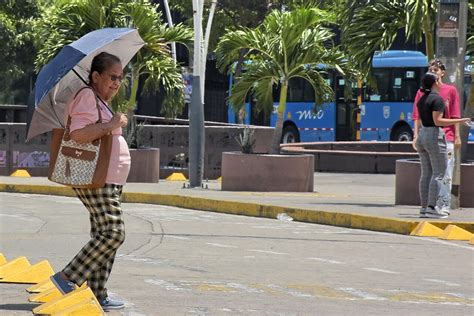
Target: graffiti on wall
34	159
3	158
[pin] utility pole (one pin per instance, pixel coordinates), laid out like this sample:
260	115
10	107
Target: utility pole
196	108
451	48
170	24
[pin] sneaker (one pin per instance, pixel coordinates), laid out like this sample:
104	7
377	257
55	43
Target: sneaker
423	212
435	213
63	286
445	209
111	304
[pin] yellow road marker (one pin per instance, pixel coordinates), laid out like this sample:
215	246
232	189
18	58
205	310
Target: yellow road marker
41	286
426	229
16	265
219	179
33	274
453	232
86	307
69	300
46	296
20	173
176	176
3	260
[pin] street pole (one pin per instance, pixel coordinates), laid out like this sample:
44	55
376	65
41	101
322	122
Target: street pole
196	108
170	24
451	48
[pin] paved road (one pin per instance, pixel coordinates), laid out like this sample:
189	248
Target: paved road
184	262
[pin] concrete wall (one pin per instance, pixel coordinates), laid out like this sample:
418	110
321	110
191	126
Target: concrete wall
16	154
172	140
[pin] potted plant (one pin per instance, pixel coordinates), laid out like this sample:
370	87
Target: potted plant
288	44
249	171
145	164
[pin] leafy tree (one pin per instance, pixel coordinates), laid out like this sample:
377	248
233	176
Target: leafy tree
17	50
67	21
371	25
286	45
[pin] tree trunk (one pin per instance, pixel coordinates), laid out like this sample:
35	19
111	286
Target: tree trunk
275	149
429	40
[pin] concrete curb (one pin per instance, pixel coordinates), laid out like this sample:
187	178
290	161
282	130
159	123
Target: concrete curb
349	220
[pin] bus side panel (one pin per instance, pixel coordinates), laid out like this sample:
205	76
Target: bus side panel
378	118
313	127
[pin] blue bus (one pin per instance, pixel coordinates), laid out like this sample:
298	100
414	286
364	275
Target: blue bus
386	109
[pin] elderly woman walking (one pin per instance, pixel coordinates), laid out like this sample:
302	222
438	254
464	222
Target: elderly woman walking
430	142
94	261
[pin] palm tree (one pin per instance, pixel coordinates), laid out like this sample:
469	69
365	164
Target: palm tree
371	25
286	45
67	21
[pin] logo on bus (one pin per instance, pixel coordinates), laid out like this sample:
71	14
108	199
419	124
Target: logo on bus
386	112
309	115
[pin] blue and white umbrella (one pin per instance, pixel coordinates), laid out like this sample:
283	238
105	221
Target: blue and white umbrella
65	74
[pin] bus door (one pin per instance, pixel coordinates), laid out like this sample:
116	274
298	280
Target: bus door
345	112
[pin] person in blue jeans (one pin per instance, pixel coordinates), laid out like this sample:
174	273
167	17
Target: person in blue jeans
431	145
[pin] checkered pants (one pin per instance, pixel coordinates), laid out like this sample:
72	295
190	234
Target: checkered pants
94	261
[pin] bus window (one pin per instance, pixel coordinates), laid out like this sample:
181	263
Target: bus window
380	92
404	84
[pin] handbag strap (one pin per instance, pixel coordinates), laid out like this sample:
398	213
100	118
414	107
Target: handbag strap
96	103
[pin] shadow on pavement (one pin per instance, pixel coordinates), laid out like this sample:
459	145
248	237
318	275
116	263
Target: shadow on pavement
18	307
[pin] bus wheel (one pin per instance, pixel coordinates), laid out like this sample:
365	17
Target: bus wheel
290	135
403	134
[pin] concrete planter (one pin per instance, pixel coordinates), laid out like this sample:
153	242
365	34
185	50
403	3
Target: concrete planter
145	165
263	172
408	176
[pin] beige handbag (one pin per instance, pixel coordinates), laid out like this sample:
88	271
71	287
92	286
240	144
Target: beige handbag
79	165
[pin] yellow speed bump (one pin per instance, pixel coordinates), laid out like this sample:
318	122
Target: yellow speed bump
453	232
46	296
471	242
31	275
176	176
69	300
20	173
86	307
3	260
16	265
41	287
425	229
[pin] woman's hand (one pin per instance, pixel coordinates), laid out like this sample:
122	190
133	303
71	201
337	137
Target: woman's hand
119	120
467	122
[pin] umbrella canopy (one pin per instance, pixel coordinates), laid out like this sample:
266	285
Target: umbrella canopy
65	74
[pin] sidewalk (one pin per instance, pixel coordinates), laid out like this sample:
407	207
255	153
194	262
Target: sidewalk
363	201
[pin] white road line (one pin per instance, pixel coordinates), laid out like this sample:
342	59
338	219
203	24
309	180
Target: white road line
176	237
267	251
382	270
362	294
220	245
442	282
447	243
326	260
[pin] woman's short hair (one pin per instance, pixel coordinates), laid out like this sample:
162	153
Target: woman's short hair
102	62
428	81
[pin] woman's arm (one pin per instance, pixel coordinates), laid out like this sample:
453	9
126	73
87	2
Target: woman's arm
439	120
416	132
92	132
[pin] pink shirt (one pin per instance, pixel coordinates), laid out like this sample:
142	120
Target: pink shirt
83	112
452	108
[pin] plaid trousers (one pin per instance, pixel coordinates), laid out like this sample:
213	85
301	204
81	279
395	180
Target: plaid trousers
94	261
